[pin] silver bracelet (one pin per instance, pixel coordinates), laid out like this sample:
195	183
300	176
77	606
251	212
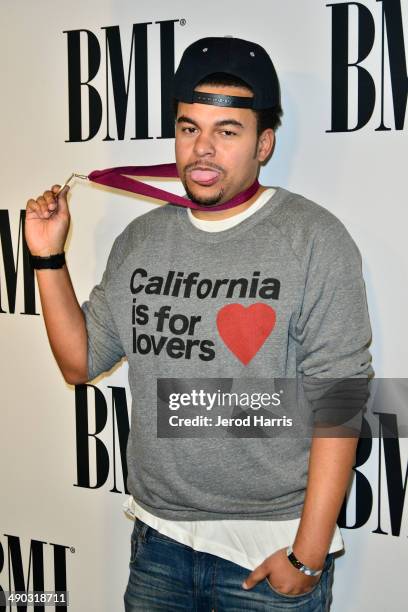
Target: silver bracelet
299	565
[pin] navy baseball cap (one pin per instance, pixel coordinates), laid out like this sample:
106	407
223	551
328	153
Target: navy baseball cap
241	58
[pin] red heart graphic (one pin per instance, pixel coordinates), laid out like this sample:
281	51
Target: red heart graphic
244	330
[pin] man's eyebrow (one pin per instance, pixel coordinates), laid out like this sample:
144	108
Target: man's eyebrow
229	122
221	123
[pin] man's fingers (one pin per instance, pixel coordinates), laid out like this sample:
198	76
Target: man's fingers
33	206
43	205
49	196
49	203
51	200
258	574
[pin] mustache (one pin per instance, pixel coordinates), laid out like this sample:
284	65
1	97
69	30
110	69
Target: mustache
201	166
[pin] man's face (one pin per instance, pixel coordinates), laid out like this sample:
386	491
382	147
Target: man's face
216	152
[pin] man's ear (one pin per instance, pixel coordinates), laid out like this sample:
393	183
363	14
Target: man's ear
266	143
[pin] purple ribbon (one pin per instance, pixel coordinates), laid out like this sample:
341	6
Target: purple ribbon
114	177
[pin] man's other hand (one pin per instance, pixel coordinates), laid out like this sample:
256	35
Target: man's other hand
281	575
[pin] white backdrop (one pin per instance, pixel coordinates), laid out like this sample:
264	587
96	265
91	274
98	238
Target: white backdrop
358	175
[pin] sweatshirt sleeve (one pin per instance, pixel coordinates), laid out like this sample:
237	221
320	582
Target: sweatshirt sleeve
333	330
104	344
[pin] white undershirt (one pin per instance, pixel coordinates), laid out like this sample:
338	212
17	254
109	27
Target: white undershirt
245	542
223	224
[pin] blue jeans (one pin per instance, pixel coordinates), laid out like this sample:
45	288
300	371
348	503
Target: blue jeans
166	575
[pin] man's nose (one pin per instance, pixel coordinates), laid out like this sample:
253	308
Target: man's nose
204	145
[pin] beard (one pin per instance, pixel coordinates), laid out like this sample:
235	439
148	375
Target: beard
208	202
203	201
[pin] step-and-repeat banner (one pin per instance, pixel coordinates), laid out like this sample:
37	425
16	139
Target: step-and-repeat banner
85	86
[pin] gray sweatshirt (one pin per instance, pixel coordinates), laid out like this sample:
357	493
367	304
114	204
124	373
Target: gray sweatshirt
279	296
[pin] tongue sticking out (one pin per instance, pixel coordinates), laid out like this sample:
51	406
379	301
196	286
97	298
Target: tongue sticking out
204	176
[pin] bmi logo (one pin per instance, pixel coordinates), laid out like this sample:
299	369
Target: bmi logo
44	568
100	95
369	70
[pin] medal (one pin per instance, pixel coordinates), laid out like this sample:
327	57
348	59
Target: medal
116	177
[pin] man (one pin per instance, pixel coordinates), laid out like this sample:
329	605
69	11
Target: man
271	288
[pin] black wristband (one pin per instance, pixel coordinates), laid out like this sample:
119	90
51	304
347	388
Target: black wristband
51	262
299	565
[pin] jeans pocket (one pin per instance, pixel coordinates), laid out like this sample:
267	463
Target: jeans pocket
288	595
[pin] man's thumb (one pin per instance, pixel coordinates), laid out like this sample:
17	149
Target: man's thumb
62	197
